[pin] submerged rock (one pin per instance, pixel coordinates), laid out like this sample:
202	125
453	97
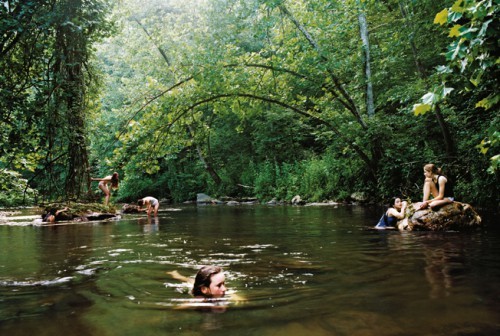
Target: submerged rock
450	217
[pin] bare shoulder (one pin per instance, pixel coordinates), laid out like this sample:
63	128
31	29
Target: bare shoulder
442	178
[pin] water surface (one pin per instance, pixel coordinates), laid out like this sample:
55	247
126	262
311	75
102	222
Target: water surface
302	270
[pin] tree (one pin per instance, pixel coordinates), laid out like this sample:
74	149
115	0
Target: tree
44	55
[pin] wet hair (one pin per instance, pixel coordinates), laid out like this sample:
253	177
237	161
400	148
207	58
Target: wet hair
204	279
114	180
430	167
140	202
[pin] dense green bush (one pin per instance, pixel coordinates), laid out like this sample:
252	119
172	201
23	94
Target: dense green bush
14	190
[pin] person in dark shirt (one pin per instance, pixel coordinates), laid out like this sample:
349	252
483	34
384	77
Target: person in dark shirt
395	212
436	185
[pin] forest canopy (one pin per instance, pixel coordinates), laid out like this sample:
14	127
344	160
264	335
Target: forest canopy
238	98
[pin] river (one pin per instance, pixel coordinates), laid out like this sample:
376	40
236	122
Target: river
302	271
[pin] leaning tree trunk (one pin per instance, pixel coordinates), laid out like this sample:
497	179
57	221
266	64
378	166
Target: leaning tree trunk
206	163
341	94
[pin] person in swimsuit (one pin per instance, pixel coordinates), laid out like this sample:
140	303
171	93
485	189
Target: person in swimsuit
103	185
395	212
151	203
436	185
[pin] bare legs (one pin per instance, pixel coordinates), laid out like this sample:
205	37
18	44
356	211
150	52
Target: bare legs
431	189
106	192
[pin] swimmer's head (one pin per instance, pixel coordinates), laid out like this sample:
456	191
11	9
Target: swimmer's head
209	282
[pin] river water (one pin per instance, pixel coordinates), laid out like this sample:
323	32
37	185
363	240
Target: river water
302	271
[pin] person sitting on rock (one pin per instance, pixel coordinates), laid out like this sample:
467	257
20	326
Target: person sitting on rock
436	185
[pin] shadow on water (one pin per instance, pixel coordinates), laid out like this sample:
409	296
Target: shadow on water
301	270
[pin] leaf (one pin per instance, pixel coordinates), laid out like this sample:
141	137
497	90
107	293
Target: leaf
457	7
484	103
441	17
421	109
443	69
429	98
488	102
455	31
446	91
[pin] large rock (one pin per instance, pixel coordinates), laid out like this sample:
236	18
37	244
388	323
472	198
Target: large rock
450	217
131	208
80	212
205	199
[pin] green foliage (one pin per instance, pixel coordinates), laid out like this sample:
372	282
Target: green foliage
472	65
45	81
14	190
267	99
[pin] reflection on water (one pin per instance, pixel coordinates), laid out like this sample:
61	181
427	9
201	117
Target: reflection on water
302	270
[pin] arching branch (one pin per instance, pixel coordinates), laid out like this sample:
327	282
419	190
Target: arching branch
351	106
332	127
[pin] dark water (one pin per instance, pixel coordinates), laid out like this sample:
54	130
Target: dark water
303	271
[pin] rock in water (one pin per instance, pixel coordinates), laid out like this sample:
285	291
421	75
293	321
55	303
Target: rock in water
450	217
130	208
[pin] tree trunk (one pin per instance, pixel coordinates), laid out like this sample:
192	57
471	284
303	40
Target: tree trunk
448	141
363	31
71	54
208	166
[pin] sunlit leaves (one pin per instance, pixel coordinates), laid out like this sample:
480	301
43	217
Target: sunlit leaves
488	102
455	31
419	109
430	99
441	17
492	142
474	53
458	6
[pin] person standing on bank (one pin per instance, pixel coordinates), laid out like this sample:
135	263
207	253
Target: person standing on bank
104	182
436	185
151	203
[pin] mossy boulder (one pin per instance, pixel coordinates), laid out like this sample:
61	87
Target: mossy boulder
456	216
80	211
